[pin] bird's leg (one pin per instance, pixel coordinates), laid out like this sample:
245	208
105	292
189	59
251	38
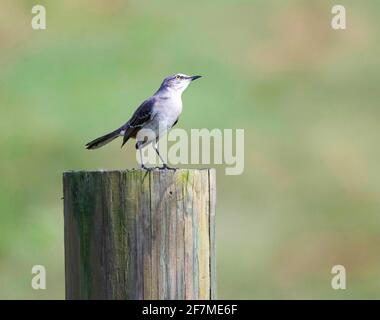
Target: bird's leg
164	165
141	160
156	149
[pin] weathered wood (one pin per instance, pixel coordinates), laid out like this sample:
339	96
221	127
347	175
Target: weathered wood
140	235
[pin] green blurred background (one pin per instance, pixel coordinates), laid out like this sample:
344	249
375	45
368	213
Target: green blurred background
306	95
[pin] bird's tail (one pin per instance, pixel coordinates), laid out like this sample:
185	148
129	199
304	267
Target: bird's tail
103	140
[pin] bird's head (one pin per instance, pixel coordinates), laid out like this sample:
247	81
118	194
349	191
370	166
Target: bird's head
178	82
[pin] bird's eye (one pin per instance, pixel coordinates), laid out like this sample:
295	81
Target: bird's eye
178	77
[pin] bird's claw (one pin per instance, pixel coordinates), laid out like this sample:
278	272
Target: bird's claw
146	168
166	167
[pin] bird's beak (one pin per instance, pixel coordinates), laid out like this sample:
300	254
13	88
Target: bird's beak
195	77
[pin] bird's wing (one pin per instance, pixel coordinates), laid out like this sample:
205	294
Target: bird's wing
142	115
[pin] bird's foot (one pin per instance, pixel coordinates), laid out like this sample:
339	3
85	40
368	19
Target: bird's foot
146	168
166	167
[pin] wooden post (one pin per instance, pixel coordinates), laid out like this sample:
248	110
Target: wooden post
140	234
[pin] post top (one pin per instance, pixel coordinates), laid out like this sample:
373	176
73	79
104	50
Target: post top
156	169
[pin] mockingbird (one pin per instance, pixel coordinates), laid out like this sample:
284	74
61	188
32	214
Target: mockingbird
153	117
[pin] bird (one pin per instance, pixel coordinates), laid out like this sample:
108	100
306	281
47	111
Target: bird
156	115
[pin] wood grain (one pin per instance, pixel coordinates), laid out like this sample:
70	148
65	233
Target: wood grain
140	235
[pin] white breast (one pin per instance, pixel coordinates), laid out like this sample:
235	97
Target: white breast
168	110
